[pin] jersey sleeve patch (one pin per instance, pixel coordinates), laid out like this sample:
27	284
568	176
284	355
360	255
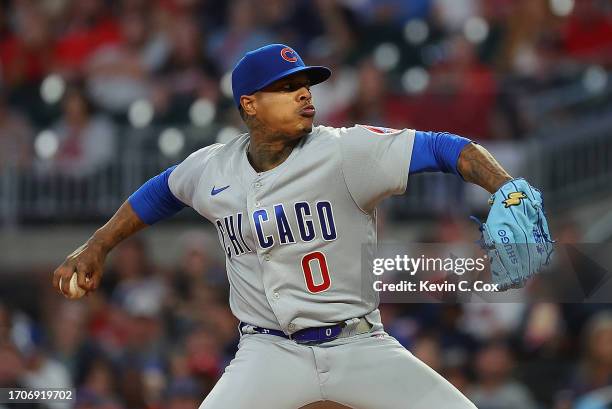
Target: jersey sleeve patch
379	129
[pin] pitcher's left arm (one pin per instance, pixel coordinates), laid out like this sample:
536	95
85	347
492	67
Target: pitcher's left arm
516	233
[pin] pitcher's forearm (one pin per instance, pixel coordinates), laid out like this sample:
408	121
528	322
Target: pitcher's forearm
124	223
478	166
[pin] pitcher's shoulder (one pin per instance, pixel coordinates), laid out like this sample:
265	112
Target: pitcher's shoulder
348	131
323	131
222	150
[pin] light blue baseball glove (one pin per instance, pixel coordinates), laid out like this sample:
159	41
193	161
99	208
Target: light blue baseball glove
516	235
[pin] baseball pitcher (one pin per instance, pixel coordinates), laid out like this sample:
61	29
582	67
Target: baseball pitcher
293	203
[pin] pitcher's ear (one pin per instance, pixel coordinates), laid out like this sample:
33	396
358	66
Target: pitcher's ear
247	102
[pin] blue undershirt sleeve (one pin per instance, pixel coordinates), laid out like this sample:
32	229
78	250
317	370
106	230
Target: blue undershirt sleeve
154	201
436	152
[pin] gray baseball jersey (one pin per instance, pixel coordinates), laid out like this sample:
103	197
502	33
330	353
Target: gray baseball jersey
293	235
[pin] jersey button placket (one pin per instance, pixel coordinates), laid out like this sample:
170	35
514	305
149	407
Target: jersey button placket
257	186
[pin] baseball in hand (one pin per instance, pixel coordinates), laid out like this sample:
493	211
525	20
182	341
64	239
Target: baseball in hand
74	291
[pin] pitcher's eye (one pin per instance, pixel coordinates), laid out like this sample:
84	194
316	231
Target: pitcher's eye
290	87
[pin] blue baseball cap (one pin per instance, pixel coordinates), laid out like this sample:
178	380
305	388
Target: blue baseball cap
261	67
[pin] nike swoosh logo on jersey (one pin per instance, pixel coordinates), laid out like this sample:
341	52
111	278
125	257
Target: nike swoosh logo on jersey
217	191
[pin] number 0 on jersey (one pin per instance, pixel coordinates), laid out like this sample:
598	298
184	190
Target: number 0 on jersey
316	257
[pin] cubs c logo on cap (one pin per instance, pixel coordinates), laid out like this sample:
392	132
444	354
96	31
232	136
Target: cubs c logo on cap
288	54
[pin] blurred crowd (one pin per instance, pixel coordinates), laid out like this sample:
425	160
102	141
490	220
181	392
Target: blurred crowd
86	71
160	337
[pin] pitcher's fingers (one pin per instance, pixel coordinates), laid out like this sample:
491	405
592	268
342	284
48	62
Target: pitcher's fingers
65	287
62	271
94	280
55	278
82	276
